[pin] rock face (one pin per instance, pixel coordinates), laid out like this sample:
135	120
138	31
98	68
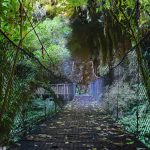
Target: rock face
81	125
83	72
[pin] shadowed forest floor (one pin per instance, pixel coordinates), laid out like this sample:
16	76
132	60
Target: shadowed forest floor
81	125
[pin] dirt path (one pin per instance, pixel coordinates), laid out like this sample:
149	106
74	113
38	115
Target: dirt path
81	125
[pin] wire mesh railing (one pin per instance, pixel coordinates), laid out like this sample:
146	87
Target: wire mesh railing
17	90
127	99
27	121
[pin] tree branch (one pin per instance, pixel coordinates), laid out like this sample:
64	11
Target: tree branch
30	31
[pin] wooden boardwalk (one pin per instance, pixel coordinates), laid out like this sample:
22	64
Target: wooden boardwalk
81	125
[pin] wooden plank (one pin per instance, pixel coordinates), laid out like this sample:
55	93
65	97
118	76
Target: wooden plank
64	91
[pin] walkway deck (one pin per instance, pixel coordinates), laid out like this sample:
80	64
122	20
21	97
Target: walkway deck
81	125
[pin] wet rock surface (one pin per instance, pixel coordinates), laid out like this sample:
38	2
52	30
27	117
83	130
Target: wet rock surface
81	125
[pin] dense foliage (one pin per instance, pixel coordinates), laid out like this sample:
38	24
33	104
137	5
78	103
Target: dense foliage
53	35
21	74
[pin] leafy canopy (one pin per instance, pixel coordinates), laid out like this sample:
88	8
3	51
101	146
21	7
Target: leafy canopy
53	34
77	2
